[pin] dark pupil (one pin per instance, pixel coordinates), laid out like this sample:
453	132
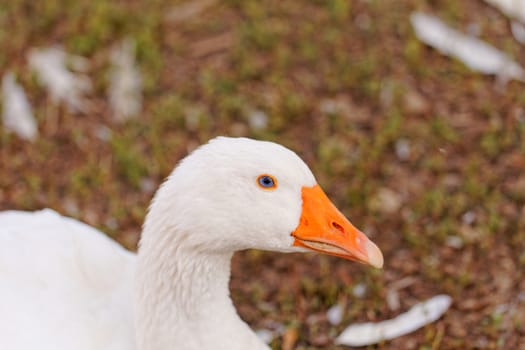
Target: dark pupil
266	181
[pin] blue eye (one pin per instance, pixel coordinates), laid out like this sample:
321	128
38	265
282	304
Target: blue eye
267	182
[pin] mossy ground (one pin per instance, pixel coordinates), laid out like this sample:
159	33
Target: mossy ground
345	84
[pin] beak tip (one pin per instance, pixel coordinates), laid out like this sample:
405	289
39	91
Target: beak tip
375	257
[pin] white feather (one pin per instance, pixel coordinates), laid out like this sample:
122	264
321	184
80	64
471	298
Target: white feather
64	86
125	89
512	8
363	334
334	315
17	114
518	30
474	53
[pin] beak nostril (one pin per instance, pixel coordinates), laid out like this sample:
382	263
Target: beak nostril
338	227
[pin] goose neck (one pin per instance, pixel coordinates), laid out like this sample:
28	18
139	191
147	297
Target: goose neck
183	298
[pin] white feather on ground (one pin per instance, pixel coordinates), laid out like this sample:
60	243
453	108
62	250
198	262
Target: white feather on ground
518	31
125	88
363	334
64	85
267	335
334	315
258	120
17	115
512	8
475	53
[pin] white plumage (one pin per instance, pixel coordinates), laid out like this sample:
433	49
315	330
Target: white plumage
65	285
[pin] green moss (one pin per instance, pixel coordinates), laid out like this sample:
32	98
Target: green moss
130	163
340	10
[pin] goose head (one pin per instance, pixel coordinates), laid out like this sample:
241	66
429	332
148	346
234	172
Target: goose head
236	193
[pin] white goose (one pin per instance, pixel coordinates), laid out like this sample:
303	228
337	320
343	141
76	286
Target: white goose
65	285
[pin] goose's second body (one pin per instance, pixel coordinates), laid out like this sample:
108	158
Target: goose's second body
64	285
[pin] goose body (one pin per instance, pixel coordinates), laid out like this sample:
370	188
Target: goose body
65	285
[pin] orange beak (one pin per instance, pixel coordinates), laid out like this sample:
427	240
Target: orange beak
323	228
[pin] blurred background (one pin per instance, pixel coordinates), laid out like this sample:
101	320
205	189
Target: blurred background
422	153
